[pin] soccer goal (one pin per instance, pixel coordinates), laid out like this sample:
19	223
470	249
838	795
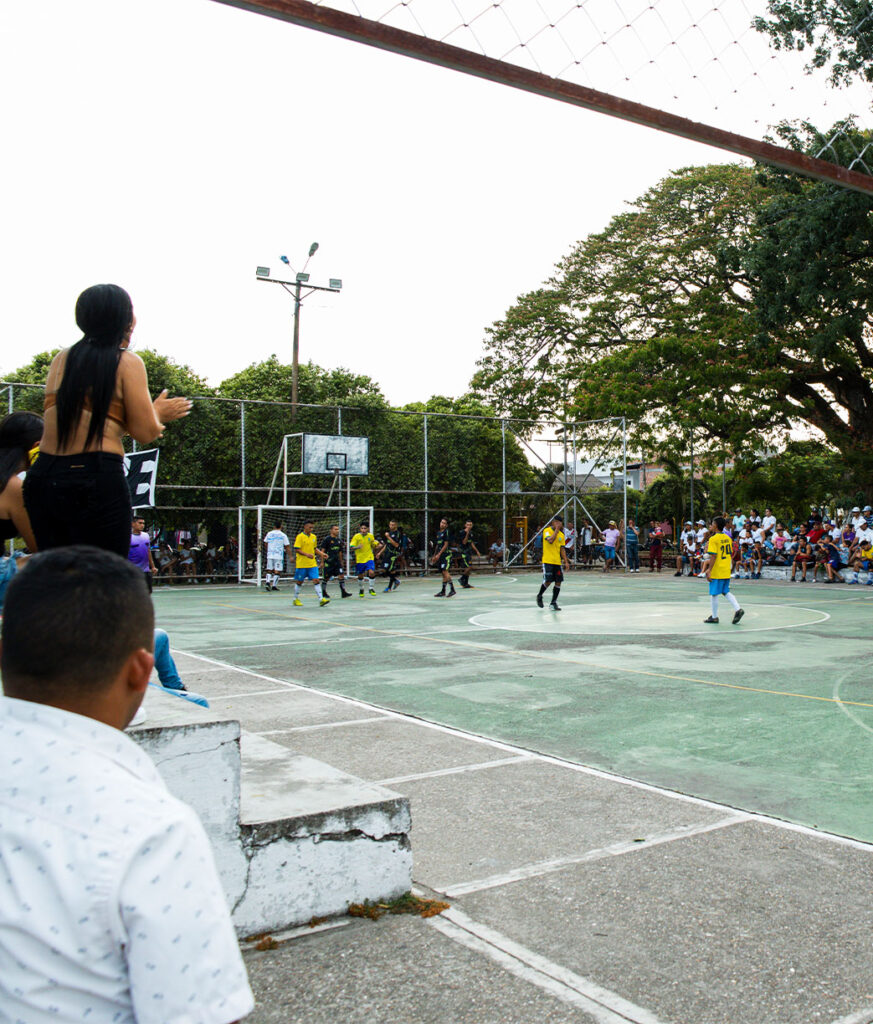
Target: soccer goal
256	521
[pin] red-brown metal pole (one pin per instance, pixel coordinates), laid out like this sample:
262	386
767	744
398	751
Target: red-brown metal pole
373	33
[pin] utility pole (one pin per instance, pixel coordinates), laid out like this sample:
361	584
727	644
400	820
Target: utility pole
295	289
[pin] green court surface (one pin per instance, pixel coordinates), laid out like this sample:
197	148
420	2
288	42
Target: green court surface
774	715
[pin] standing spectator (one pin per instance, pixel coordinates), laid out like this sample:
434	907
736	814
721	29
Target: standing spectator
632	546
687	549
656	551
570	543
96	392
140	552
586	536
111	908
769	520
610	542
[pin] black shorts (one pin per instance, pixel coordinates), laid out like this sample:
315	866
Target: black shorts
464	559
445	562
552	573
332	570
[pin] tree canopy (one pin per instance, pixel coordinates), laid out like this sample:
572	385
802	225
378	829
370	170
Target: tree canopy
727	303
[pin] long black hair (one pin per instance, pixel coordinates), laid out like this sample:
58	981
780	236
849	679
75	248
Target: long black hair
104	313
19	432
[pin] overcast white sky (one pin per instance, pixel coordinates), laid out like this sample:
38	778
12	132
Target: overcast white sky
172	146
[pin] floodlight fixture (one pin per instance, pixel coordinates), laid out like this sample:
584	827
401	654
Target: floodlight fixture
262	272
336	282
303	278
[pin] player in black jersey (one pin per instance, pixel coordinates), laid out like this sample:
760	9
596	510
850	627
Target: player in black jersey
392	553
466	549
333	567
443	558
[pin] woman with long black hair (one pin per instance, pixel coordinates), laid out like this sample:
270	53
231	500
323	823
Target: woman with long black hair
96	392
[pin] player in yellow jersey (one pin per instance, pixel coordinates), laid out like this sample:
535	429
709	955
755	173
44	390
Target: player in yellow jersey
719	558
366	549
554	556
306	568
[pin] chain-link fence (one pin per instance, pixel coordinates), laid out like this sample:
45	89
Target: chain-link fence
508	475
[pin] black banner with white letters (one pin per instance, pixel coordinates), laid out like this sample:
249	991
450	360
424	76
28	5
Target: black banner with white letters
141	470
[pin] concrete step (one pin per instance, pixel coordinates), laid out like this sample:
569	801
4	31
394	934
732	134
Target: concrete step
293	837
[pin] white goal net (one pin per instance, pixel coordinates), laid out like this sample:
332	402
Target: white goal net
256	521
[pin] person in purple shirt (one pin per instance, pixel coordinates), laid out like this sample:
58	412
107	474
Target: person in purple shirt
140	549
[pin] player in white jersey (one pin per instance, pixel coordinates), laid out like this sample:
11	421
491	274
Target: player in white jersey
278	546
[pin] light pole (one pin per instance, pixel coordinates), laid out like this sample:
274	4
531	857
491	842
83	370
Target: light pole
295	288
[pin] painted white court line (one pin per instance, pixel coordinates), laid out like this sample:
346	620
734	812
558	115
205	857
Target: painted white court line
604	1006
460	770
345	639
547	867
323	725
847	711
864	1016
255	693
550	759
566	627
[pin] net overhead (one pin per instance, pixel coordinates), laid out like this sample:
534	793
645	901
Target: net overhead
695	68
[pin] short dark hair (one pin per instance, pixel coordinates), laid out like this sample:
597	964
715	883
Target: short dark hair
365	522
719	523
71	619
558	519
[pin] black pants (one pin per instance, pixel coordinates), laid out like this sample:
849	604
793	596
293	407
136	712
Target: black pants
79	499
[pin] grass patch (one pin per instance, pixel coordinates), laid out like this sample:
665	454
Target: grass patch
405	904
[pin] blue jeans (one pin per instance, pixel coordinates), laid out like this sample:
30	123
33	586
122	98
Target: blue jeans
633	556
164	664
8	568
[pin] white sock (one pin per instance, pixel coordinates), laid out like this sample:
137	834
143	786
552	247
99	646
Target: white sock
714	602
296	591
735	604
318	590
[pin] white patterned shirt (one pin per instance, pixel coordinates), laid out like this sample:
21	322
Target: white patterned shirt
111	909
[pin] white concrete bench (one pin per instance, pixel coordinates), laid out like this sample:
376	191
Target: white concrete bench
293	838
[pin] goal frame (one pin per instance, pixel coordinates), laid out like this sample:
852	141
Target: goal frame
344	515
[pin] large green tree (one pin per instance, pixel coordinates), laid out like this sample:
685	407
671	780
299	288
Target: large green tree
727	305
838	32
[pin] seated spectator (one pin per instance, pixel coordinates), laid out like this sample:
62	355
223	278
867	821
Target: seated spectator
833	561
495	554
19	437
111	908
769	520
739	520
820	560
863	559
186	561
803	555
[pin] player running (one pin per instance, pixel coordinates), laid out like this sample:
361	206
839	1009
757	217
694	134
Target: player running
554	553
720	554
366	549
466	549
333	563
306	569
442	557
393	550
278	546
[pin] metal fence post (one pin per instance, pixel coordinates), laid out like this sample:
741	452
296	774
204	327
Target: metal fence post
624	487
426	500
242	449
503	485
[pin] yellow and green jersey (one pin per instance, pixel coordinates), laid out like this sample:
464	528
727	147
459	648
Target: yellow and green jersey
722	547
365	546
306	550
553	542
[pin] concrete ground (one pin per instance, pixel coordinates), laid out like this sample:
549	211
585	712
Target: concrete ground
576	895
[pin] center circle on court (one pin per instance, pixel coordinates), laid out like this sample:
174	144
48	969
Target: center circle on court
661	618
